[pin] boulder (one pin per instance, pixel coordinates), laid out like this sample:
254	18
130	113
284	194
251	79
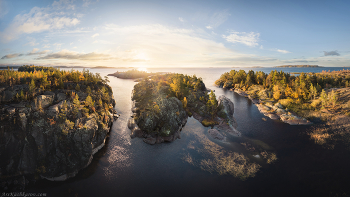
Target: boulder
23	120
228	109
61	96
216	134
150	140
11	111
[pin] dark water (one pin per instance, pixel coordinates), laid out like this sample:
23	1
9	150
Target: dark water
129	167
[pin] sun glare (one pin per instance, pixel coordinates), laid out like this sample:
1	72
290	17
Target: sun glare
142	69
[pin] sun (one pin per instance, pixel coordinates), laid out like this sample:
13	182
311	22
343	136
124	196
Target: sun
142	69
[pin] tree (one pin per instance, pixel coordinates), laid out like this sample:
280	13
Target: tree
276	92
212	104
333	97
89	102
77	88
88	90
184	102
324	98
32	87
313	91
76	105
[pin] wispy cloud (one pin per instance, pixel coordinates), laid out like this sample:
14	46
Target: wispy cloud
181	19
64	4
3	8
95	35
9	56
37	20
218	18
88	2
282	51
331	53
72	55
35	51
249	39
209	27
32	41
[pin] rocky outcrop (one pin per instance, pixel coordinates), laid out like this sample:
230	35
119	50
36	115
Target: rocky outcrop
168	122
276	111
35	141
216	134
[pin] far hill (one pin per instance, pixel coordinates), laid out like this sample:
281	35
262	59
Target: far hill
299	66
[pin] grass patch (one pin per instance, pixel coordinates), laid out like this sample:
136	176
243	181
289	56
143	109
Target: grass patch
208	122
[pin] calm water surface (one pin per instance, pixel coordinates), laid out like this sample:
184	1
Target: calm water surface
129	167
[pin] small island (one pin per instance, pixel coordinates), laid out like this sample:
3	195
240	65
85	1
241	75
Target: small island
131	74
52	122
162	104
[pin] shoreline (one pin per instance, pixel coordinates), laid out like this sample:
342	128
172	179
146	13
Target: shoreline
275	112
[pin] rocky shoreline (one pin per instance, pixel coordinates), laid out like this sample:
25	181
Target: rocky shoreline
152	138
276	111
34	146
227	125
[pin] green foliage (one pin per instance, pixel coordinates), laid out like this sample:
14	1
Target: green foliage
77	88
89	102
209	122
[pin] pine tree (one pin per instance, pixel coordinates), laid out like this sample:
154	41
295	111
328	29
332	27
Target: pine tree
77	88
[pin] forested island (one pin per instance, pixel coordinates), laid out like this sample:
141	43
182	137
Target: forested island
52	122
131	74
320	97
162	104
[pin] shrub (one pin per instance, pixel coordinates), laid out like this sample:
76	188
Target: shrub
285	102
316	103
208	122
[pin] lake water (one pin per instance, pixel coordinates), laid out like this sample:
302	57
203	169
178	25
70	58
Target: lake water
130	167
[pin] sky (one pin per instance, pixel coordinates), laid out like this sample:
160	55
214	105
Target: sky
174	33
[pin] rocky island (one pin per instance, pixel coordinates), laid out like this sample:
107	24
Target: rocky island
131	74
52	123
162	104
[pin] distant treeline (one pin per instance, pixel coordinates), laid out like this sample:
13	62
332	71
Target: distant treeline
299	66
283	85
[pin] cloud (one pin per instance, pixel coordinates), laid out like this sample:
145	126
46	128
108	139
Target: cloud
63	4
331	53
164	45
3	8
282	51
9	56
88	2
218	18
33	51
249	39
37	20
181	19
208	27
36	51
261	47
93	36
32	41
72	55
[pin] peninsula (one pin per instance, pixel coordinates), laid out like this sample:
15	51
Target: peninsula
320	97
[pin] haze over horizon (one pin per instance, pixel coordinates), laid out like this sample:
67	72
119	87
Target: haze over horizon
174	33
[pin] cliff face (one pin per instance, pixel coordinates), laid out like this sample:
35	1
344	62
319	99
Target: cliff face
52	136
